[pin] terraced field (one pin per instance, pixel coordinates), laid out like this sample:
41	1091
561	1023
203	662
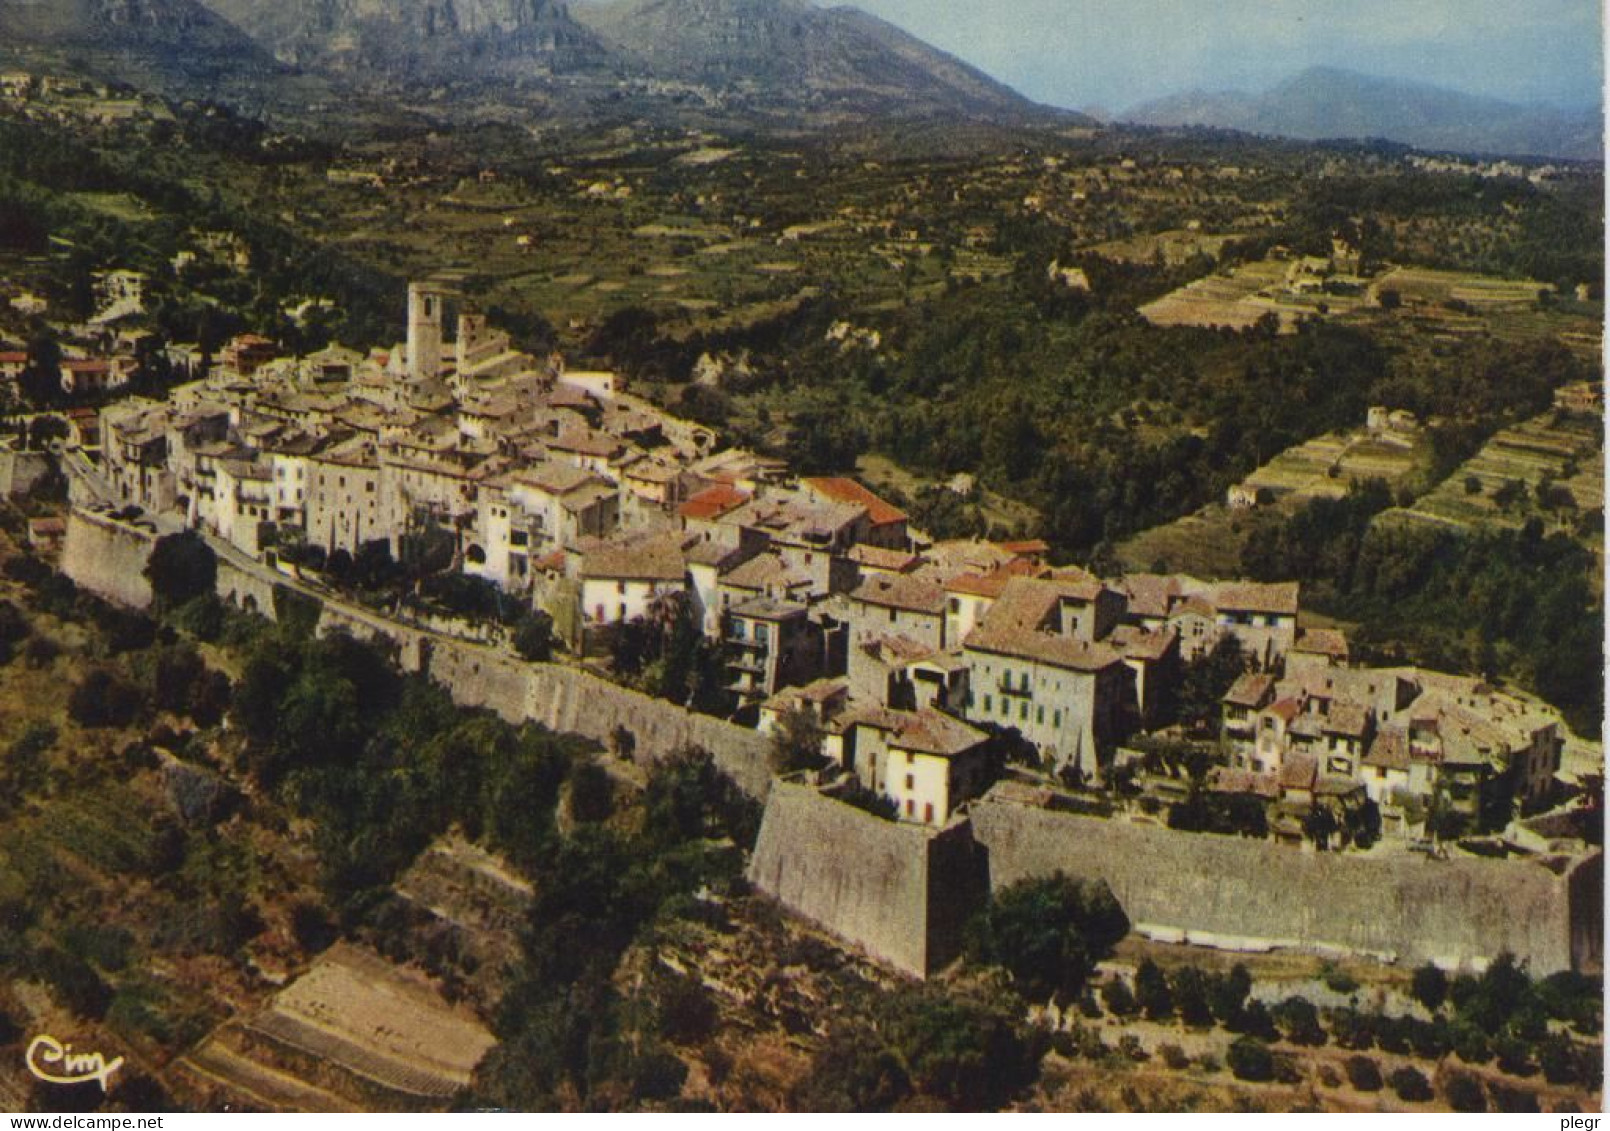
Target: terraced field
1240	299
1569	452
1325	467
353	1033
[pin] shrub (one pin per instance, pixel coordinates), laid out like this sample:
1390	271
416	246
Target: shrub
592	793
312	927
74	983
1299	1020
1465	1093
1363	1073
1514	1055
1470	1043
1174	1057
1340	981
1152	992
1191	997
1509	1099
104	699
1410	1085
1430	986
687	1012
1119	1000
1250	1059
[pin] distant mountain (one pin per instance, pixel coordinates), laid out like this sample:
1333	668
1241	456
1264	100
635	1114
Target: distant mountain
795	53
1325	102
181	34
420	39
720	58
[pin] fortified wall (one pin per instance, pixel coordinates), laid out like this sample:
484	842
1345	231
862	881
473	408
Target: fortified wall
1242	894
573	701
19	471
899	891
902	892
109	557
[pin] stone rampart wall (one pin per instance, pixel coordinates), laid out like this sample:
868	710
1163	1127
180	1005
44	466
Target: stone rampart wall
1252	895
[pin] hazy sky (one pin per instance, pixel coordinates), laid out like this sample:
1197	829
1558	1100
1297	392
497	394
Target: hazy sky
1115	53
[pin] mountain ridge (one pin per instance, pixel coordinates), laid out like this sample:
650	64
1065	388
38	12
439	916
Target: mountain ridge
1322	103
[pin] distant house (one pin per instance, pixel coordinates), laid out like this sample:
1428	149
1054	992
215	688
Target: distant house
84	376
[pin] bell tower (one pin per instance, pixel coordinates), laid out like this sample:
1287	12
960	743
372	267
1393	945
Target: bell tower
424	332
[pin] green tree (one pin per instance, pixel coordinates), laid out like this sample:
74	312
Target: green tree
796	742
1152	992
1430	986
1250	1059
1410	1085
181	568
1363	1073
968	1051
1048	933
1206	681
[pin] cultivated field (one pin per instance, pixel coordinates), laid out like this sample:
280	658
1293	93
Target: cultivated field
354	1032
1327	466
1499	485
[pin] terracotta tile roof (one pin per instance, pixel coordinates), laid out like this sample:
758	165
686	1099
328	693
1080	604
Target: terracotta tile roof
656	558
12	357
876	557
1150	594
1200	606
1299	771
1253	597
1251	690
1389	751
991	582
712	501
585	442
1285	709
901	591
841	490
1227	780
1350	720
976	585
763	571
1141	644
1337	785
896	650
922	732
1321	642
1079	584
1015	626
1033	547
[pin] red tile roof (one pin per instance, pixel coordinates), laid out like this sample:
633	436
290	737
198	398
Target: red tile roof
713	502
842	490
1254	597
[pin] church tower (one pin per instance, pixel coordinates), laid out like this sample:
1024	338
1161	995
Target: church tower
424	332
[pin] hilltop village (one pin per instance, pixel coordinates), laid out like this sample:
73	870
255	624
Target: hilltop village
920	672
